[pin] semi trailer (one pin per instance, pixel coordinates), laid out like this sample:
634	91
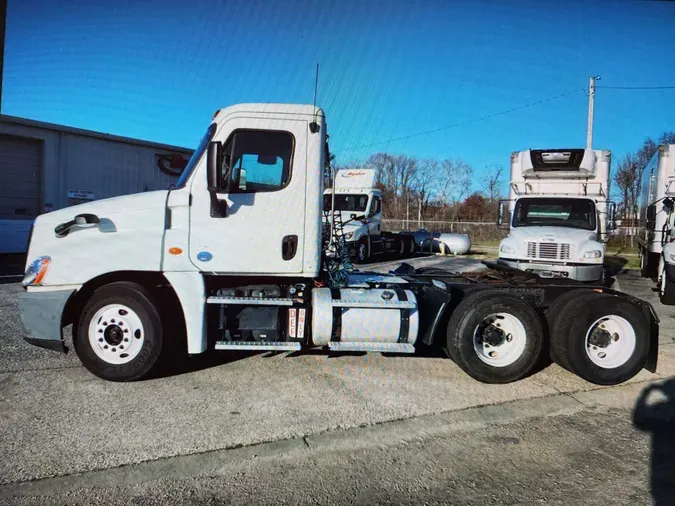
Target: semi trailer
558	214
655	221
232	258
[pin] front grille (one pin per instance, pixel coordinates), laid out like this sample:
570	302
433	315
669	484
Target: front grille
548	250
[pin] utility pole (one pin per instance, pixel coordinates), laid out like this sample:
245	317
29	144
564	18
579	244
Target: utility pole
591	100
419	215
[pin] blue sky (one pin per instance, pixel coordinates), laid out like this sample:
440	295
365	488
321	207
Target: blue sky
158	70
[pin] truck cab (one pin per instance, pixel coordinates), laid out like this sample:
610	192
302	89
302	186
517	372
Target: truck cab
233	258
357	204
559	216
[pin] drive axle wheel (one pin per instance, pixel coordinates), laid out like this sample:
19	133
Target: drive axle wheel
495	337
602	338
119	335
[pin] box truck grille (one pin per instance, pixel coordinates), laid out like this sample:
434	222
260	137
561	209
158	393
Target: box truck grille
548	250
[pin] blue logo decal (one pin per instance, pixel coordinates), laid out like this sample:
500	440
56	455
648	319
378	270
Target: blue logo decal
204	256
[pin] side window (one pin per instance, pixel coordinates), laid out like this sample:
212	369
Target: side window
376	206
260	161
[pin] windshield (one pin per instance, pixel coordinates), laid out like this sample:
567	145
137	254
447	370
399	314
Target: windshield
551	212
346	202
185	175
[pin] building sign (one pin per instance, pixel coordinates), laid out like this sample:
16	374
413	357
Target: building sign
81	194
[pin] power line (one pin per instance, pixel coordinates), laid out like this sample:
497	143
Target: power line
454	125
637	87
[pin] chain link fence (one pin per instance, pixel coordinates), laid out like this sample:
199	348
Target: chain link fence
488	232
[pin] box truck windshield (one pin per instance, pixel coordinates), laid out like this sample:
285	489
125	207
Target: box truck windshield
550	212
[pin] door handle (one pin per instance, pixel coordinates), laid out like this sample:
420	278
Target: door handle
289	247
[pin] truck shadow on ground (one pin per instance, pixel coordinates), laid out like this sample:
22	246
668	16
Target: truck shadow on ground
207	360
658	419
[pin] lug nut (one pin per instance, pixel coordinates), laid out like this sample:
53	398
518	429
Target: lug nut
602	354
615	336
492	354
509	338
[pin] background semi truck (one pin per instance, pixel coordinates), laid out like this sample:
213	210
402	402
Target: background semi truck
655	221
558	215
232	258
358	204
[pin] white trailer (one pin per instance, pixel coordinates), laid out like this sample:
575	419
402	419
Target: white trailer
655	221
559	215
231	258
358	204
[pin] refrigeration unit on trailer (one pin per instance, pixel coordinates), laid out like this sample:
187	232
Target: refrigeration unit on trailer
232	258
559	216
357	202
655	221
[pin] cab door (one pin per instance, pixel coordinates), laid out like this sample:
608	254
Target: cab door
261	230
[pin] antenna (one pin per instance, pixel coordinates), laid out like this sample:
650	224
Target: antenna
314	126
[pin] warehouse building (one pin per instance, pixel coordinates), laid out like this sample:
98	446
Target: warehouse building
44	167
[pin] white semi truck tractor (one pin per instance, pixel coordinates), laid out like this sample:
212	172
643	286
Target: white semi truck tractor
357	202
232	258
559	215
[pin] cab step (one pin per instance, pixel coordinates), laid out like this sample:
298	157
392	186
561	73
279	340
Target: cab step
253	301
373	347
257	345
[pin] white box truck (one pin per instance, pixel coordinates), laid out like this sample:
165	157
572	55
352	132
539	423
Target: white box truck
358	204
558	215
655	221
231	258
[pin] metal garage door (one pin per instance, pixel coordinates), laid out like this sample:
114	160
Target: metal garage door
20	166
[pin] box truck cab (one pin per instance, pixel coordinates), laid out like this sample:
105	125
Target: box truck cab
558	215
655	222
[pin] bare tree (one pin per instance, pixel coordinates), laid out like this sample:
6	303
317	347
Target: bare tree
454	184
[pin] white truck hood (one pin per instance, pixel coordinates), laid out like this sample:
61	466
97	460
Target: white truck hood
128	237
560	234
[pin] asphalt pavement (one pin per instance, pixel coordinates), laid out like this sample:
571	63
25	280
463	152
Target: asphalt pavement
65	431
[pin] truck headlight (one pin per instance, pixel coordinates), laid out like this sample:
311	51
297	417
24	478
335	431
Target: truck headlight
596	253
36	271
349	235
507	249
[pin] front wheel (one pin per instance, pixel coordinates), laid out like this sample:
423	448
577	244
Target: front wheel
666	288
362	252
495	337
119	334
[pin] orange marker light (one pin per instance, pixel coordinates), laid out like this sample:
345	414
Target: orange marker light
175	251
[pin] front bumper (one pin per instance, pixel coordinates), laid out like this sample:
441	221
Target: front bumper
41	315
582	273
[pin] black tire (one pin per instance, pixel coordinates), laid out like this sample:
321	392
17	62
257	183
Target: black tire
576	318
666	290
553	320
473	310
401	250
139	300
644	263
362	252
412	246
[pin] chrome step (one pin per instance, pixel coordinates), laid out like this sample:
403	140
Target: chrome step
394	304
253	301
374	347
256	345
